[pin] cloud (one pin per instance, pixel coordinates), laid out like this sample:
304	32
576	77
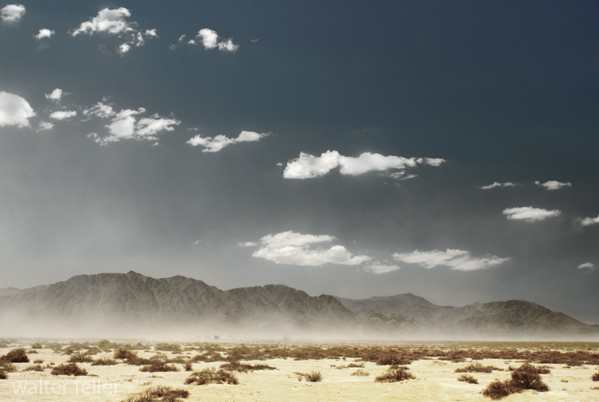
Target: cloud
459	260
248	244
381	268
308	166
589	221
530	214
12	13
496	184
553	184
295	249
215	144
14	110
209	39
101	110
43	33
124	48
587	266
55	95
45	125
63	114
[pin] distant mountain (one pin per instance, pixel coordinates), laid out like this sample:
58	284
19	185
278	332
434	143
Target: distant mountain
134	302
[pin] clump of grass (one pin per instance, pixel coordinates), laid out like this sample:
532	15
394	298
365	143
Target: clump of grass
351	365
524	377
164	392
80	357
313	376
188	365
244	368
3	375
468	378
158	366
389	360
8	367
595	376
123	354
105	362
38	361
361	373
36	367
498	389
37	345
15	356
212	376
168	347
395	375
476	368
69	369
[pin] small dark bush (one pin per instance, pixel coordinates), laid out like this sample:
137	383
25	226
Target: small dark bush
165	393
524	377
394	375
37	346
595	376
80	357
498	389
167	347
124	354
158	366
211	376
468	378
38	361
8	367
361	373
188	365
16	356
476	368
36	367
105	362
3	375
244	368
390	359
69	369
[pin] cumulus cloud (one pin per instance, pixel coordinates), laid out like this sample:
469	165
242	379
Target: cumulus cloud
63	114
114	22
215	144
43	33
459	260
12	13
587	266
496	184
209	39
248	244
55	95
297	249
100	109
14	110
589	221
530	214
45	125
308	166
553	184
381	267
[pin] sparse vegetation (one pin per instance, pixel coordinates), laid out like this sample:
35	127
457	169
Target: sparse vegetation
38	361
36	367
212	376
313	376
361	373
476	368
3	375
37	345
244	368
595	376
105	362
524	377
395	375
69	369
15	356
158	366
80	357
168	347
468	378
159	393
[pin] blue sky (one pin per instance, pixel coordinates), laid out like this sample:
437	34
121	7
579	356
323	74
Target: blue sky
445	149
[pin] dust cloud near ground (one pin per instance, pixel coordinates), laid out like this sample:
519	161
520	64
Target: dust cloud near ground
568	369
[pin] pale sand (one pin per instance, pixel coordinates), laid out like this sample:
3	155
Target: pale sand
435	381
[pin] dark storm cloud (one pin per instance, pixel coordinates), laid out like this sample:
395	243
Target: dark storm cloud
493	89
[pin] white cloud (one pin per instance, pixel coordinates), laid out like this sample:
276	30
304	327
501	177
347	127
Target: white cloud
12	13
309	166
192	42
530	214
381	268
553	184
14	110
43	33
108	21
55	95
587	266
459	260
45	125
151	33
209	39
124	48
496	184
215	144
151	126
589	221
63	114
248	244
295	249
181	38
100	109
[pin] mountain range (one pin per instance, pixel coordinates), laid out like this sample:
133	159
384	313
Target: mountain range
134	304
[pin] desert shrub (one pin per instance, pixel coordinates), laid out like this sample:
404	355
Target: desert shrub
361	373
69	369
38	361
8	367
188	365
158	366
389	359
313	376
355	365
105	362
476	368
3	375
524	377
36	367
468	378
244	368
80	357
16	356
32	352
164	392
168	347
123	354
394	375
595	376
211	376
498	389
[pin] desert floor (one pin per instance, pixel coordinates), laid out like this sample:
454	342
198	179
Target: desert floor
435	381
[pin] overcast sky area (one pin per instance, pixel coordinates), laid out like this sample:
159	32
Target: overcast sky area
442	148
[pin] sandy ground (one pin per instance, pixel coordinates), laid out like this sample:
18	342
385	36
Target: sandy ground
435	381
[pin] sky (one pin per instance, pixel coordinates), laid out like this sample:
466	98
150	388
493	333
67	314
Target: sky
359	149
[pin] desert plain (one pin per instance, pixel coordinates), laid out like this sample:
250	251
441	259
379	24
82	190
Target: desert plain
568	366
